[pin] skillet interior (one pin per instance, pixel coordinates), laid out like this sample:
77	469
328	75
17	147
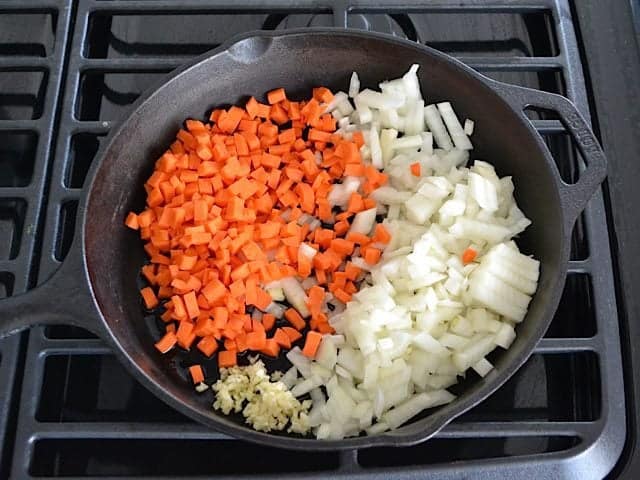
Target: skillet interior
299	62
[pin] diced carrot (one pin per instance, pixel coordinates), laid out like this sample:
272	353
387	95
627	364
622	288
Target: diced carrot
294	318
268	321
256	340
208	345
271	348
282	338
469	255
381	234
149	297
275	96
204	326
358	238
372	255
197	375
132	221
167	342
341	295
185	335
191	304
292	333
227	211
227	358
311	344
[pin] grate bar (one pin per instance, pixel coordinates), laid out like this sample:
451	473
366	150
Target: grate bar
388	6
190	6
16	192
97	127
18	125
445	6
566	345
515	429
126	430
130	65
24	63
75	347
512	64
194	431
516	64
30	6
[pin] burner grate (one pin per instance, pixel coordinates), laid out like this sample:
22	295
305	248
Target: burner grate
82	415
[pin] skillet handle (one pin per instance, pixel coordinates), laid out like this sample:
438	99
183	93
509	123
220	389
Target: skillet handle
576	196
64	298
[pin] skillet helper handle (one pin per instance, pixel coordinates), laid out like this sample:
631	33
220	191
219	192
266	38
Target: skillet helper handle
576	196
61	299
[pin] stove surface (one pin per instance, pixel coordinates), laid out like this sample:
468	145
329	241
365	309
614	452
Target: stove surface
68	73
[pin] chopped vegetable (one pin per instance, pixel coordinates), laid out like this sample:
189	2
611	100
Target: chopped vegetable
223	223
311	344
469	255
197	375
442	285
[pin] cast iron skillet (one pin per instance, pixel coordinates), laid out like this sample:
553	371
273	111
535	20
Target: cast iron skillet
97	285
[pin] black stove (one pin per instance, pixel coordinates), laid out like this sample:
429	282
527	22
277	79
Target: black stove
69	70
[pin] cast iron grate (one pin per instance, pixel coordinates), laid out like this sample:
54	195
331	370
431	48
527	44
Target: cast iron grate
32	39
81	415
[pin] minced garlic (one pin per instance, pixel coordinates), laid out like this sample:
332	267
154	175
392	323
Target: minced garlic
266	405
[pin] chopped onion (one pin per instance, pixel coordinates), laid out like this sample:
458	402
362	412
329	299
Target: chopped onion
354	85
295	295
364	221
460	139
275	309
421	317
438	130
376	150
373	99
468	127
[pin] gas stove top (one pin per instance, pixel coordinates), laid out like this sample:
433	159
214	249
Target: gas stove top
68	73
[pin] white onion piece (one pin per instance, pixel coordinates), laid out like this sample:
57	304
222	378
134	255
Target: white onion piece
427	143
434	121
460	139
373	99
468	127
345	108
340	193
412	141
364	221
376	150
354	85
338	98
299	361
411	83
295	295
290	377
275	309
387	138
483	191
363	113
482	367
307	251
276	294
402	413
